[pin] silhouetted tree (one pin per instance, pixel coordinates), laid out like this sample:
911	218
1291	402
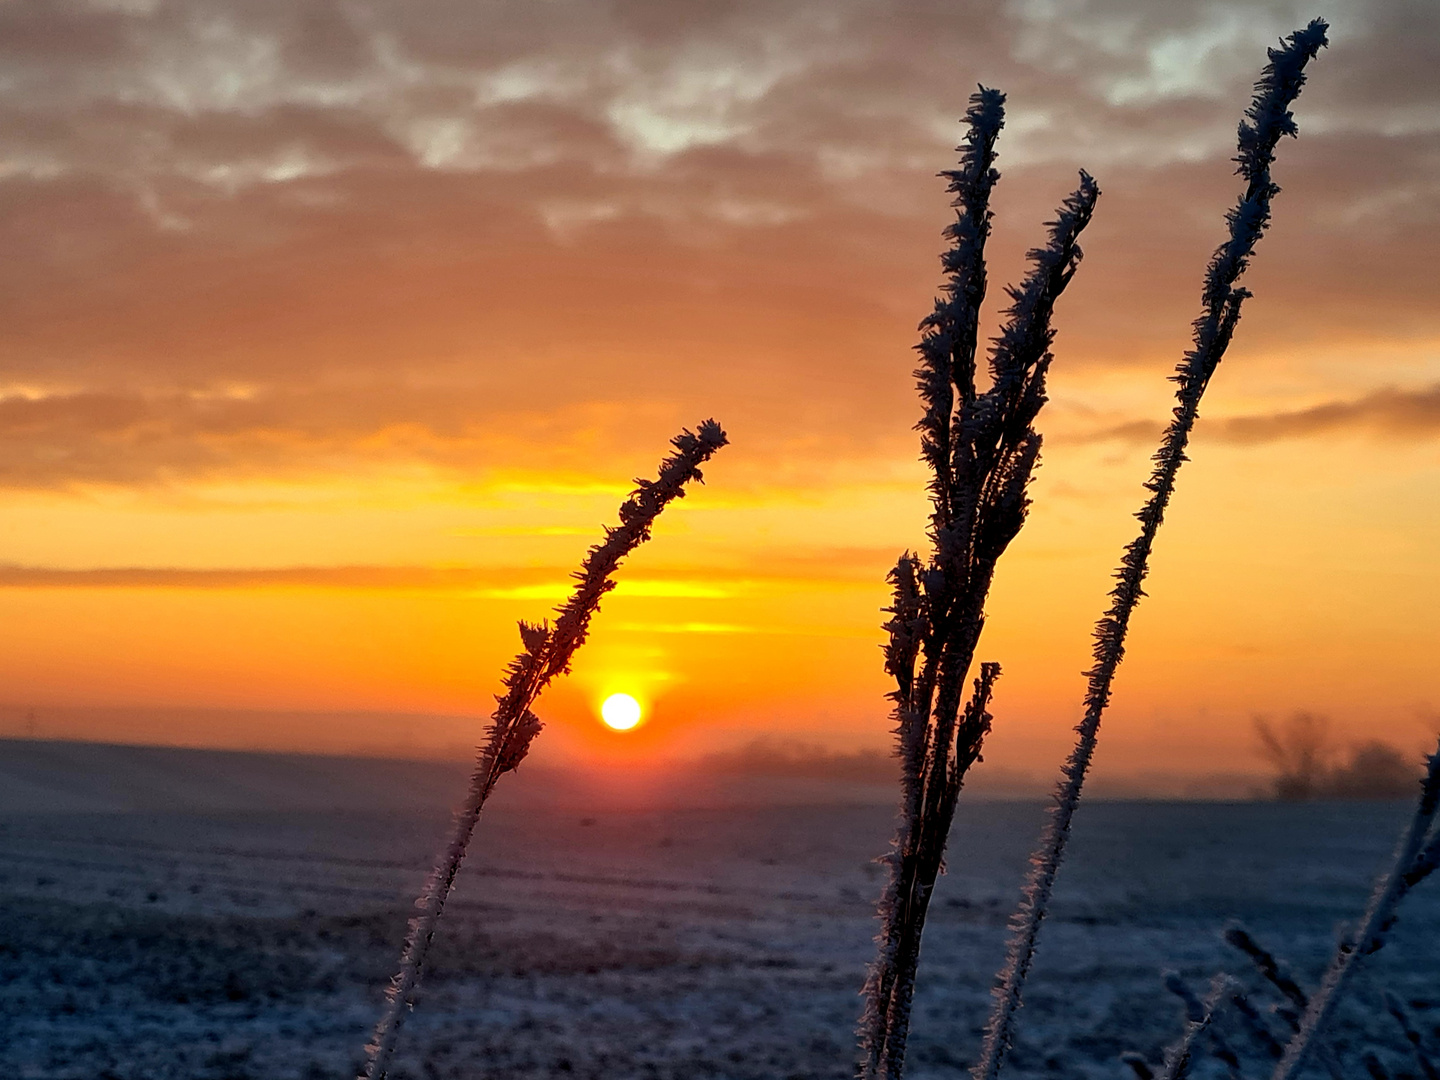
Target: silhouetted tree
1376	770
1303	754
1300	752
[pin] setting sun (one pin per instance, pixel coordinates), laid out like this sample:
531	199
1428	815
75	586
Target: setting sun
620	712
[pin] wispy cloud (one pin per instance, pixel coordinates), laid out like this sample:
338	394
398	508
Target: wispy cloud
688	628
1389	413
288	577
481	582
561	588
1392	413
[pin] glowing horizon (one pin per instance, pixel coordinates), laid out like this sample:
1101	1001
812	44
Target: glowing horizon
323	370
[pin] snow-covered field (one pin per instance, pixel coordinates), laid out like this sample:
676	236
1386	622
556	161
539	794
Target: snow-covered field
651	943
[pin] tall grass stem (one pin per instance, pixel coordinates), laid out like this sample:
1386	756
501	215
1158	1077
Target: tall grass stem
547	652
981	447
1374	926
1267	119
1200	1020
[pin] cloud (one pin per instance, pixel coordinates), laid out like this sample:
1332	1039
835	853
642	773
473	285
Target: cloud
561	590
531	582
1392	413
294	577
434	217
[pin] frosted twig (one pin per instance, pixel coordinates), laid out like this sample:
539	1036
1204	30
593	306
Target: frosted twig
1200	1017
981	447
1369	936
1195	1011
1256	1024
1397	1009
547	653
1268	118
1275	972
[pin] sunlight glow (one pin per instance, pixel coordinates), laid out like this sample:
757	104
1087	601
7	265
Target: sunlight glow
620	712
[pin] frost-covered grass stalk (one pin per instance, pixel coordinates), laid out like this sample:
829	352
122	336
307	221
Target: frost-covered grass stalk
547	653
1203	1013
1295	1000
1275	972
1267	119
1416	857
1199	1020
1428	1069
981	447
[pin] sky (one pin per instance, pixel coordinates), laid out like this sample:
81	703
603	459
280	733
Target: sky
332	333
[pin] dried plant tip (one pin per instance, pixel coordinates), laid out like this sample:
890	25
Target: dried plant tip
1276	973
1256	1024
1194	1007
950	333
1268	117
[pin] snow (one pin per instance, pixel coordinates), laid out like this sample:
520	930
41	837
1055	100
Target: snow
218	944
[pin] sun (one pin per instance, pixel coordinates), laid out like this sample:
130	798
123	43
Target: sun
620	712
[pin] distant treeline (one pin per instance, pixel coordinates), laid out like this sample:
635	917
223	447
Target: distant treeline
1309	765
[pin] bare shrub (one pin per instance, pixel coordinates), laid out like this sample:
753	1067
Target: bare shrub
1306	760
1300	751
1376	770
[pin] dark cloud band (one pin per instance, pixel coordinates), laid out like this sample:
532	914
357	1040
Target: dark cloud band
716	207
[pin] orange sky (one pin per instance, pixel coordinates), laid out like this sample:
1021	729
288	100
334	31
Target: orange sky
332	333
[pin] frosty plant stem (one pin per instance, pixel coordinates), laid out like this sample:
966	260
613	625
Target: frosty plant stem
981	448
1199	1021
1414	860
547	653
1196	1010
1413	1036
1267	119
